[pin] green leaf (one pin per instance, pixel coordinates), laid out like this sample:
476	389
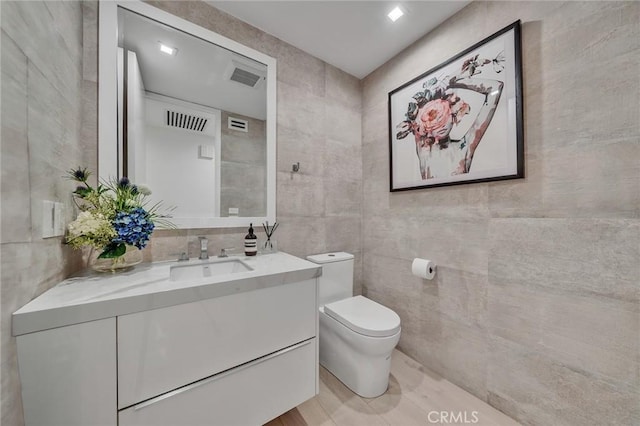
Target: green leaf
113	250
82	192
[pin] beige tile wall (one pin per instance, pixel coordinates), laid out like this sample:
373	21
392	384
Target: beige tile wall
243	174
536	304
42	105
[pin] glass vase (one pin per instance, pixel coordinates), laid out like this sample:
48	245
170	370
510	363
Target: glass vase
127	261
269	246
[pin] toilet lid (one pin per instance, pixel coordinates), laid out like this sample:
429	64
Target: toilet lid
364	316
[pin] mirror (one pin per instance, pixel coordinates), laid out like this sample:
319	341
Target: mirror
188	113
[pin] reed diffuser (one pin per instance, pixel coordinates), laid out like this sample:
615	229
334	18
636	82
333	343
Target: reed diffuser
268	244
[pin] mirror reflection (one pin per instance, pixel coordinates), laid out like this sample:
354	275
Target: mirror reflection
192	120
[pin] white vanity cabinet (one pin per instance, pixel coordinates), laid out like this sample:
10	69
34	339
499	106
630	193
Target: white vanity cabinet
166	349
240	353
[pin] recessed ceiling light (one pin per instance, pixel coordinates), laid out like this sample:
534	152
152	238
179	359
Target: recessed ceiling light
168	50
395	14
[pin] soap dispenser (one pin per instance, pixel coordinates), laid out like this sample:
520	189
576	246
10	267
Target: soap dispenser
250	242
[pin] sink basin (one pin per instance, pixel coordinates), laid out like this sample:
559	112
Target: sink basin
207	269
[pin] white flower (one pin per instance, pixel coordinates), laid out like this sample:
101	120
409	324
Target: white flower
88	224
144	189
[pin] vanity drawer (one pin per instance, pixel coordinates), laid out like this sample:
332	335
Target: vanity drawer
163	349
251	394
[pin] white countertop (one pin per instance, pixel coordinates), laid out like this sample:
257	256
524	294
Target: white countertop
93	296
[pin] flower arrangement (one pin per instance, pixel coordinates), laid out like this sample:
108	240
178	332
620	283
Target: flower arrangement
112	216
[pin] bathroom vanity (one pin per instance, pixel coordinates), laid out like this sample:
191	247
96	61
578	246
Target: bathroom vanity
224	341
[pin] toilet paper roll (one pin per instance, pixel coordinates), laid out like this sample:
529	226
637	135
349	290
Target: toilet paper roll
423	268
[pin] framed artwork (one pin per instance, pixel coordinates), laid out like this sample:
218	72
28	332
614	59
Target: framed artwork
460	122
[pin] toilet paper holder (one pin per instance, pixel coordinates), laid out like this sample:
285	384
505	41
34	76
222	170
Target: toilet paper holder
423	268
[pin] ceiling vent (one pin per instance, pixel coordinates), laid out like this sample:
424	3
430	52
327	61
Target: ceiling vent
186	121
244	74
238	124
245	77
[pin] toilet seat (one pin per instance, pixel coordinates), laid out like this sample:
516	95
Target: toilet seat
364	316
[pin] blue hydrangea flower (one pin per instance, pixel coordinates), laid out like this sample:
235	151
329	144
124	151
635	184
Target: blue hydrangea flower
133	228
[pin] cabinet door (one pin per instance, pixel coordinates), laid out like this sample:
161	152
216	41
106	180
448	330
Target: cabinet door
251	394
163	349
68	375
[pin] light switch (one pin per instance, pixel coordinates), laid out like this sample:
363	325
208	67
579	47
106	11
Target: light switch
52	219
48	219
206	152
58	219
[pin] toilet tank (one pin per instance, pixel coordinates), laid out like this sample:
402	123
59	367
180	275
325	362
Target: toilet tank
336	282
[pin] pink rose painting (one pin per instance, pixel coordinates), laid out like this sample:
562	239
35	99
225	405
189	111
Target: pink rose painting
445	141
434	119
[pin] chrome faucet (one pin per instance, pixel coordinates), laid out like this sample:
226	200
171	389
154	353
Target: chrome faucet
223	252
182	256
204	254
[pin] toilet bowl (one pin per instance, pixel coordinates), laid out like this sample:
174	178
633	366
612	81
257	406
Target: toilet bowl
357	335
356	351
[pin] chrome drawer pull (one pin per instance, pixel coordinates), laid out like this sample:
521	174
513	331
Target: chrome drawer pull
220	375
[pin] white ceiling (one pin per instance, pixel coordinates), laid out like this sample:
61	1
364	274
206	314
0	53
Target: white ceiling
355	36
198	74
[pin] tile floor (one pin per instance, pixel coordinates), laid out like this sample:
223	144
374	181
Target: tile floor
416	396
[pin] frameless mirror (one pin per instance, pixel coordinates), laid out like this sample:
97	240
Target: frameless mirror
188	113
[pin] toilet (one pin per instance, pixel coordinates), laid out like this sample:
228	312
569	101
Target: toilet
357	335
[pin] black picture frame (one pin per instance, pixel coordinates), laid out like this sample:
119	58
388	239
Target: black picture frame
462	121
